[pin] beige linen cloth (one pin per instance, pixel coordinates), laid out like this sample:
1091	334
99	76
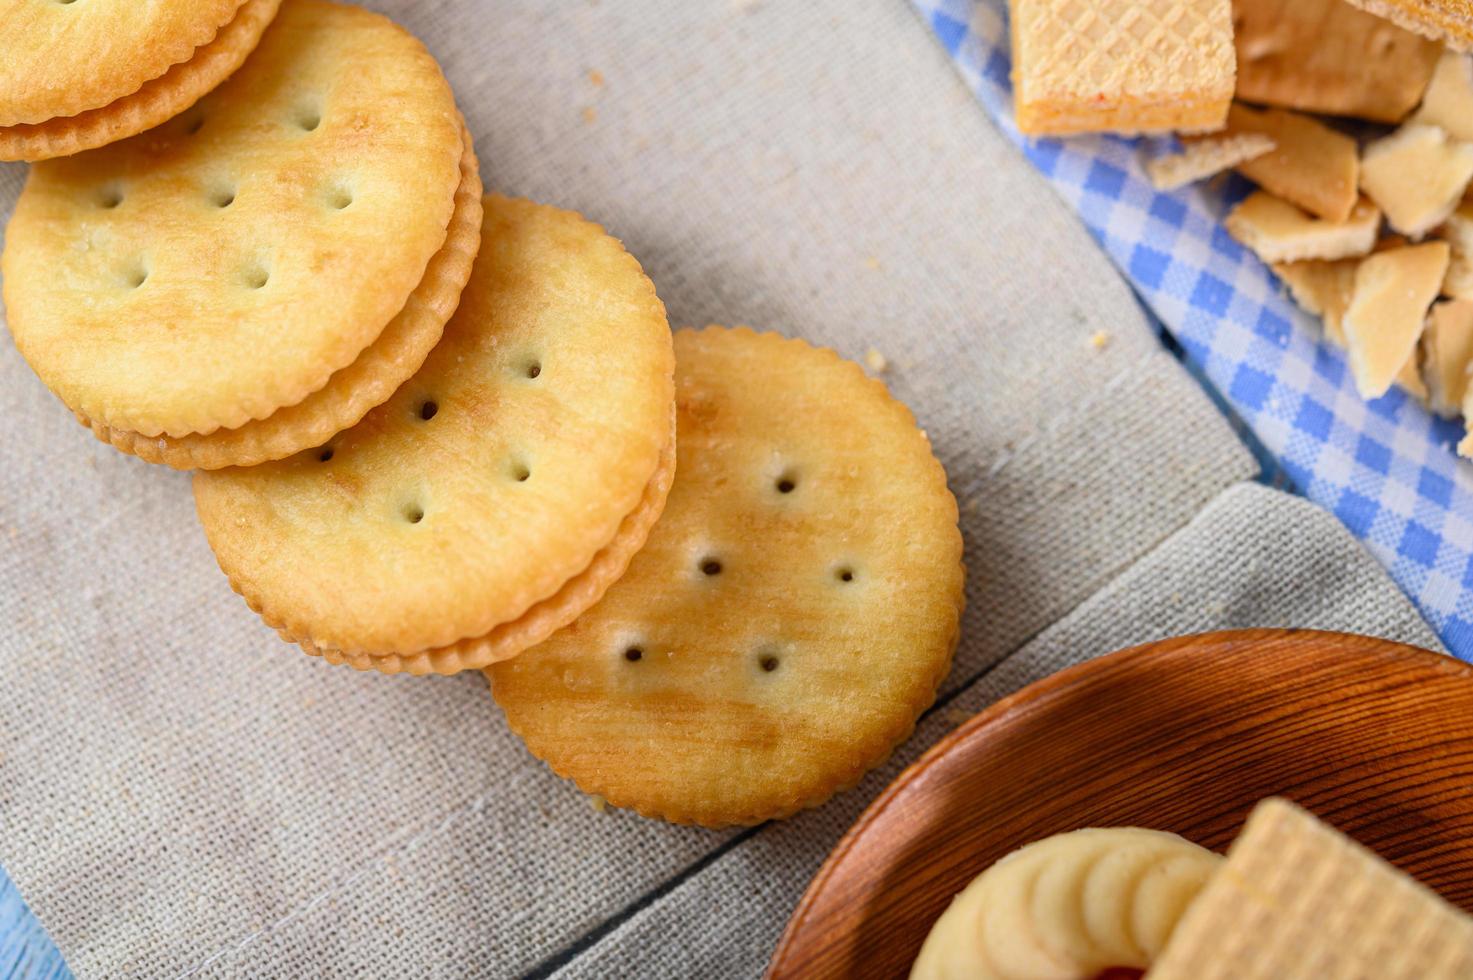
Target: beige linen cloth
183	795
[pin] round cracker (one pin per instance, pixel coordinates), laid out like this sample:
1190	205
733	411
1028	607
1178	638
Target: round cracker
544	618
790	616
551	394
212	271
348	395
157	101
63	57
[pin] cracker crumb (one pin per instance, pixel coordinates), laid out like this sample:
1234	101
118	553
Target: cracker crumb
876	361
872	262
1100	339
595	78
599	804
955	716
590	114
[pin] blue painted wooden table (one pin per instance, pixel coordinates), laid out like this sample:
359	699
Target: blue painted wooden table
25	949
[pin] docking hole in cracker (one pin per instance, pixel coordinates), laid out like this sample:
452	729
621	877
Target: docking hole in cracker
500	490
193	279
348	395
788	620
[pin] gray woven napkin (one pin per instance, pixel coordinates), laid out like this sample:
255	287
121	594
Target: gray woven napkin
181	794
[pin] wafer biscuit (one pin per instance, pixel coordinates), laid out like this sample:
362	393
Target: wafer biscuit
497	493
149	282
1203	158
1071	905
1447	351
1093	65
1449	99
1327	56
1416	176
1295	898
1277	231
1448	21
1393	291
789	618
1311	165
130	110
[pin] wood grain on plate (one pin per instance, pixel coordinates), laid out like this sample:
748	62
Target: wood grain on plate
1182	735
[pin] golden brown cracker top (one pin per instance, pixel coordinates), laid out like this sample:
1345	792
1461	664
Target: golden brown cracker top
789	617
208	272
62	57
1327	56
151	104
373	376
490	479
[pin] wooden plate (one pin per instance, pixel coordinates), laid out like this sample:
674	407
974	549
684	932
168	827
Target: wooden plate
1182	735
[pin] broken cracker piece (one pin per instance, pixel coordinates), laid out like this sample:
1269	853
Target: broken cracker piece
1277	231
1447	350
1324	288
1458	230
1321	288
1311	165
1449	99
1416	176
1203	158
1393	291
1327	56
1410	379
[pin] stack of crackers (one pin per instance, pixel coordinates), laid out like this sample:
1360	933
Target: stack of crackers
1357	129
713	576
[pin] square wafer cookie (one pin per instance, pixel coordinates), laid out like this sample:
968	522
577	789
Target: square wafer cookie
1297	898
1099	65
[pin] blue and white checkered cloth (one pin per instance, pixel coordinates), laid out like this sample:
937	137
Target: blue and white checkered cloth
1386	468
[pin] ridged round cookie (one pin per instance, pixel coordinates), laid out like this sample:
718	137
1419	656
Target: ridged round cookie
210	272
63	57
492	486
388	362
790	616
155	101
1072	905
